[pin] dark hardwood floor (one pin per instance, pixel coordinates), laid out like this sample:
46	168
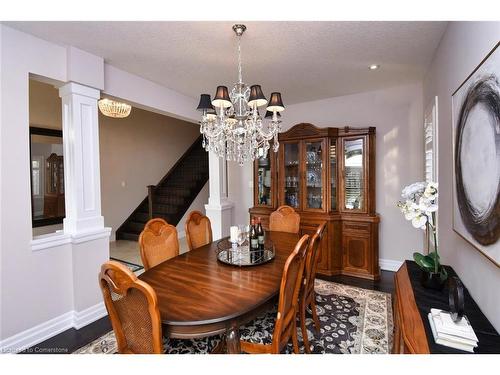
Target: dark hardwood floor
73	339
385	284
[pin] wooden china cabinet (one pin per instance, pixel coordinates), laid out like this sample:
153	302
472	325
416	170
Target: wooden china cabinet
53	200
326	174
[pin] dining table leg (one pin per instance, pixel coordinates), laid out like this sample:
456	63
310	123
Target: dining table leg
233	338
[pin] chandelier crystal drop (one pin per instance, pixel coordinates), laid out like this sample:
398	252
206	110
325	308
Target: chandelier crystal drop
231	123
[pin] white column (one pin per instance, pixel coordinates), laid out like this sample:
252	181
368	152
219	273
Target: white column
81	159
219	209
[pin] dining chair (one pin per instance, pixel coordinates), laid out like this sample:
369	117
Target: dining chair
132	308
285	326
284	219
307	296
158	242
198	230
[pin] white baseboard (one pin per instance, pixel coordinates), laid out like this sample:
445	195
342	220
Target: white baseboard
52	327
87	316
389	264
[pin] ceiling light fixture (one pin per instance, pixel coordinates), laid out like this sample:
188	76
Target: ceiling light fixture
113	108
374	67
231	124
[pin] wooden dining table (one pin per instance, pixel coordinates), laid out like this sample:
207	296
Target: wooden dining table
199	296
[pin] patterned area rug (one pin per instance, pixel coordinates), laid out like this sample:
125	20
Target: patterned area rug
131	266
353	321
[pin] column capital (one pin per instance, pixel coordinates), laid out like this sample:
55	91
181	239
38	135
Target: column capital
72	88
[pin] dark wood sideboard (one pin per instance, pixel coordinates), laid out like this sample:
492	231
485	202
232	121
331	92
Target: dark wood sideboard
412	303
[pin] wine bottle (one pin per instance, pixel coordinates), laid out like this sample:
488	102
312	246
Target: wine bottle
254	241
260	235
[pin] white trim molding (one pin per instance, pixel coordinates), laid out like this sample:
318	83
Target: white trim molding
51	240
89	315
82	237
390	265
52	327
48	241
37	334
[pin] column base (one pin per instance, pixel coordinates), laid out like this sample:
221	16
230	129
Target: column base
83	225
221	216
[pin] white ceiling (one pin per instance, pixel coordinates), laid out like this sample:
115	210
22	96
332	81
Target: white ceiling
303	60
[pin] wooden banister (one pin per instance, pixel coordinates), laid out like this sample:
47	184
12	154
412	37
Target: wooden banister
150	200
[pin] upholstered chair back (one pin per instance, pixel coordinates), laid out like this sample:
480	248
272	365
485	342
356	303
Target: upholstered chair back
198	230
284	219
158	242
132	308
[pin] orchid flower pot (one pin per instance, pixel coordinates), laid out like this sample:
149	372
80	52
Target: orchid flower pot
432	280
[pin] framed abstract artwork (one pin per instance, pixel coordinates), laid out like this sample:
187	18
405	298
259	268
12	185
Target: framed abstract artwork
476	157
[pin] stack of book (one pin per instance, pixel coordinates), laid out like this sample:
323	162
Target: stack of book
458	335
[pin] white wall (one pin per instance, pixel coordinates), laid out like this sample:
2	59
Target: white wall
49	290
149	95
36	286
462	48
397	114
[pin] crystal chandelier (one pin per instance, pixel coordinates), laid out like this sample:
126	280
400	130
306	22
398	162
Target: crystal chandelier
112	108
231	124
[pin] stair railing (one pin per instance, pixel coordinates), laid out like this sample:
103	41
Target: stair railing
150	200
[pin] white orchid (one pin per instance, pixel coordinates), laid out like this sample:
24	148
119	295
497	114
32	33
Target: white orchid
411	190
420	207
430	191
419	221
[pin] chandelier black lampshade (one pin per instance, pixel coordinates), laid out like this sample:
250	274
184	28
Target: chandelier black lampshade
221	98
205	103
256	97
275	104
269	114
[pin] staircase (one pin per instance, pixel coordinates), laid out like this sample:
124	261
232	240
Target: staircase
173	195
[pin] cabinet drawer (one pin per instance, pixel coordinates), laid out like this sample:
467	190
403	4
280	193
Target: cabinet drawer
355	226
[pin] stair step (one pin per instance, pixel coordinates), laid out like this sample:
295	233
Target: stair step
184	180
173	191
168	199
135	227
127	236
144	216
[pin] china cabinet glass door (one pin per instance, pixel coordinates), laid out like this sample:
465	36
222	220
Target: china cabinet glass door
314	175
354	174
333	174
264	180
292	174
